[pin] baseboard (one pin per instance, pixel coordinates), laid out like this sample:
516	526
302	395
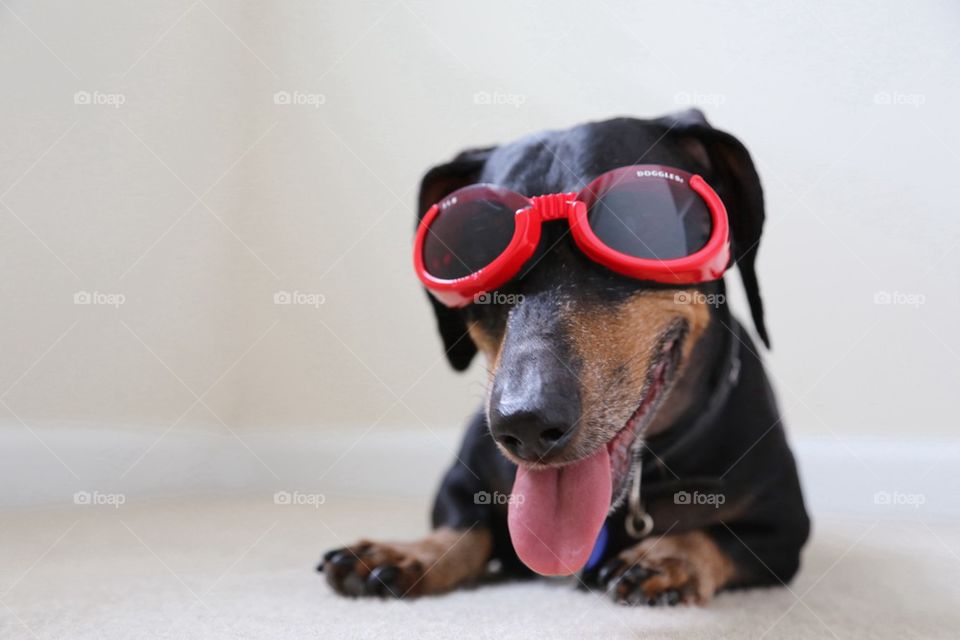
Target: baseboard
49	465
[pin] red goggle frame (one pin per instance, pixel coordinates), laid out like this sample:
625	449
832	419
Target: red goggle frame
706	263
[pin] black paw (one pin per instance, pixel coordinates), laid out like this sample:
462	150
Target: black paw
368	569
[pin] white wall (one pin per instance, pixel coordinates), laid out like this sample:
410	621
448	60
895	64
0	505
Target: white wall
850	113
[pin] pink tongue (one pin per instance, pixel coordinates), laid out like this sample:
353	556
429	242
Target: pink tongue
555	514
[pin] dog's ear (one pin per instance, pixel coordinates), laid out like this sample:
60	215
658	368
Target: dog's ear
436	184
729	169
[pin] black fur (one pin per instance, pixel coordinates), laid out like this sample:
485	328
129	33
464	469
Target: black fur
742	449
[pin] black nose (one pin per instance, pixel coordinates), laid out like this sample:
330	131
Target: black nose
531	435
535	395
534	405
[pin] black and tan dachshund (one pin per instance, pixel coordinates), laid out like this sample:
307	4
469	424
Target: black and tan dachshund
706	495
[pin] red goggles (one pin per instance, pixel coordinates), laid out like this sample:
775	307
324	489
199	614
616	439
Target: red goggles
647	222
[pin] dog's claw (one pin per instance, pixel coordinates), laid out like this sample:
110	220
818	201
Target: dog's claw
343	559
327	557
625	590
638	574
382	581
338	566
608	571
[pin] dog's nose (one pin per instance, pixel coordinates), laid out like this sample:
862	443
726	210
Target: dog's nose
535	394
530	435
534	407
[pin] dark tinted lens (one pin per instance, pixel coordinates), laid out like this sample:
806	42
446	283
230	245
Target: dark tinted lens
651	218
470	233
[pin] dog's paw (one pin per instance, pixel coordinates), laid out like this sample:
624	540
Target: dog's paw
686	568
443	560
665	582
373	569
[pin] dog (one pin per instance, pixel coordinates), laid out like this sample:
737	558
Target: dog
707	496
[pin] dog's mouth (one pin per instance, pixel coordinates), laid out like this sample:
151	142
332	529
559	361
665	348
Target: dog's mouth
623	448
556	513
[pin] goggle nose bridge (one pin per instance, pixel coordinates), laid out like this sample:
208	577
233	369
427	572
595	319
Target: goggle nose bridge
555	206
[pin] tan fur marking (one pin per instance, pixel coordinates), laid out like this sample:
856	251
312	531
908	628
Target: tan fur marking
450	557
490	346
616	349
487	344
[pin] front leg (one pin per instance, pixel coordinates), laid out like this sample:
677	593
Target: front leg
688	567
469	530
440	562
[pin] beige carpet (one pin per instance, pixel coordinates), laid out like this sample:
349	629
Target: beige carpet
242	567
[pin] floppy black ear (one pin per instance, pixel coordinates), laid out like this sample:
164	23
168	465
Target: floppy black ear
436	184
731	173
